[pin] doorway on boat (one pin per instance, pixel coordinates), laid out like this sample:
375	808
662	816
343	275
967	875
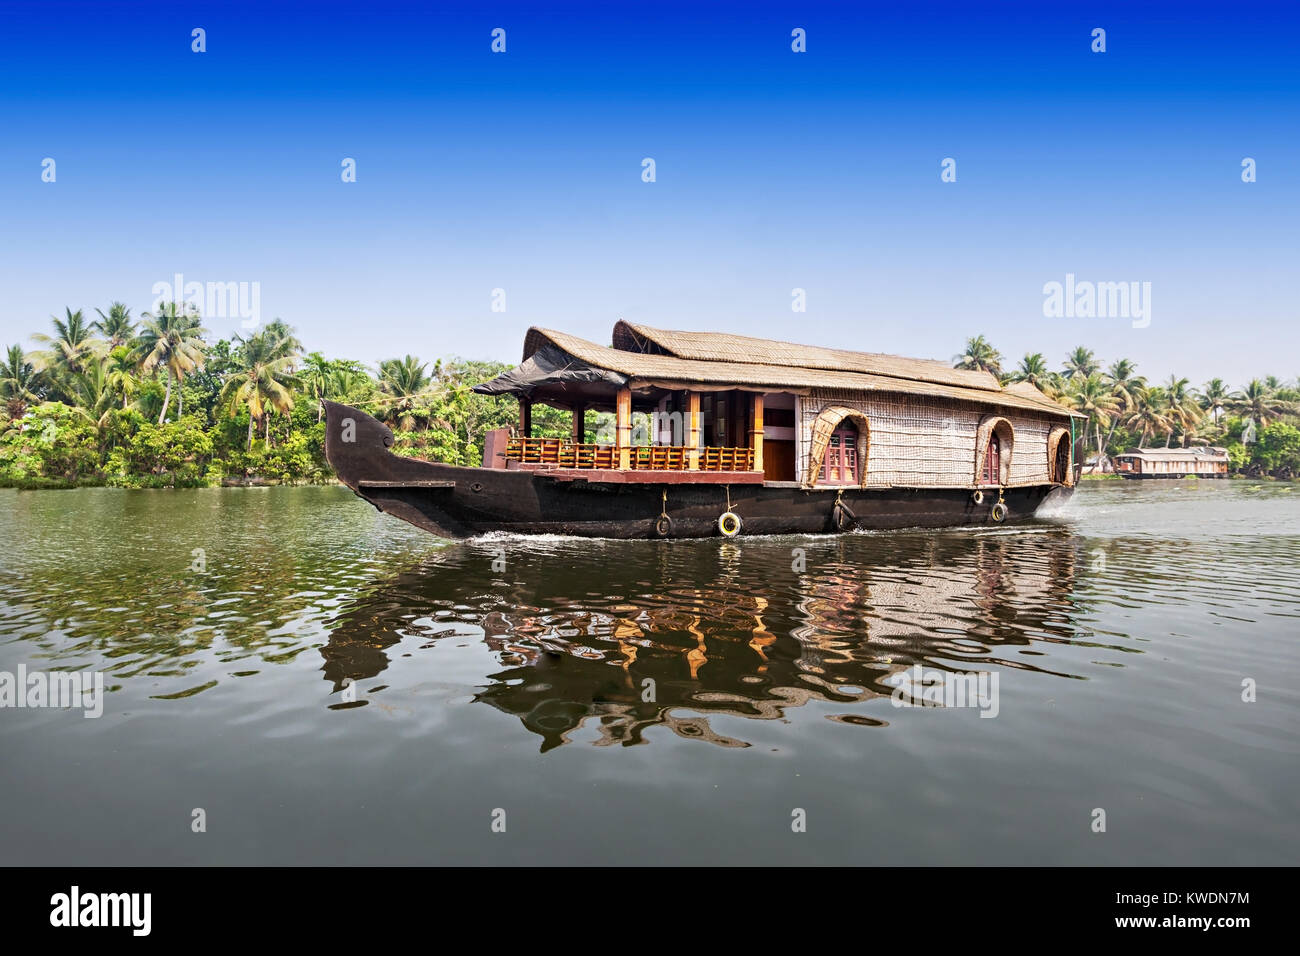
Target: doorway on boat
779	437
1058	456
840	466
1061	463
992	462
994	444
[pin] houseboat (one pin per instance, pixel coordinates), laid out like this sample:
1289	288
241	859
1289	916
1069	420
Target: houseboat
719	434
1200	462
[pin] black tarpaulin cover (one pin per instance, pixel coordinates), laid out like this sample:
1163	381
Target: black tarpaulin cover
549	365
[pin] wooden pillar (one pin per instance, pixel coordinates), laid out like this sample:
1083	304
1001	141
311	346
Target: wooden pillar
693	431
579	428
623	427
756	430
525	418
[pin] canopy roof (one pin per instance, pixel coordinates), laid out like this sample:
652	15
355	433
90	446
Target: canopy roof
1175	454
563	369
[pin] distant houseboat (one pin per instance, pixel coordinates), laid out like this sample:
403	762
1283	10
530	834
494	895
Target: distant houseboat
716	434
1200	462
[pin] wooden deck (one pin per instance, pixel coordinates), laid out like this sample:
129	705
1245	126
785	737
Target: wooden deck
638	476
672	458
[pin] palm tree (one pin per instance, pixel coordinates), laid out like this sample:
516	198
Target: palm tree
92	394
403	384
279	329
1213	397
1147	415
70	347
19	382
1180	408
1127	388
1033	369
171	339
120	368
116	326
263	381
1258	402
350	382
1093	397
1080	363
979	355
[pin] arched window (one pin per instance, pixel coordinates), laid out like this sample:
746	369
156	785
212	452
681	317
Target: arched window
841	442
993	462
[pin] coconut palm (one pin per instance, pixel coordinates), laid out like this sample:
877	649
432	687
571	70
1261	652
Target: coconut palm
172	340
20	382
117	326
1258	402
1092	396
93	395
1127	387
1080	363
1180	408
1032	369
350	383
120	366
1147	415
1213	397
979	355
279	329
263	381
403	386
70	347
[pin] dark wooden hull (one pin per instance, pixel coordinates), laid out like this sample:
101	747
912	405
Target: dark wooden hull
458	502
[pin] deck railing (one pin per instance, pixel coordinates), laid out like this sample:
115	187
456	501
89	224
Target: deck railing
565	454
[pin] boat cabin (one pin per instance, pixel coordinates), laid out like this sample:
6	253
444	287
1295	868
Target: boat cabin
708	407
1202	462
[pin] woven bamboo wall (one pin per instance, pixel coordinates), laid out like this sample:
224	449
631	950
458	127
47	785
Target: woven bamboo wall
928	443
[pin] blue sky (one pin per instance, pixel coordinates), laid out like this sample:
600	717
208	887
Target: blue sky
774	171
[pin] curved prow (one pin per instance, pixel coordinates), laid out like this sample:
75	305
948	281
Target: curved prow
356	444
420	492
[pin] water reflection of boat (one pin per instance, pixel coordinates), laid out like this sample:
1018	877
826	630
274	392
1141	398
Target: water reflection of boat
713	644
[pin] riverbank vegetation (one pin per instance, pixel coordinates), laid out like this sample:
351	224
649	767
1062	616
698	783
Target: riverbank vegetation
152	402
1257	423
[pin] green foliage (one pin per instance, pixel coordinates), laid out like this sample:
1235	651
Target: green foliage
154	405
1278	450
174	454
52	441
1124	411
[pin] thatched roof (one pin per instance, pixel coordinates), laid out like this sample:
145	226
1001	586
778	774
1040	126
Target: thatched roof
724	347
898	375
